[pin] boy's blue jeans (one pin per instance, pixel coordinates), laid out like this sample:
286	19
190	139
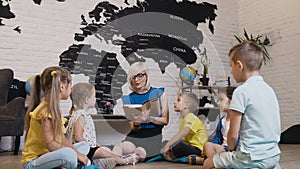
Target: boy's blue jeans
65	157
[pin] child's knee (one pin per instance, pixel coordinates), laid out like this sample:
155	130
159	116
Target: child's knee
207	145
128	147
105	148
141	152
83	147
67	154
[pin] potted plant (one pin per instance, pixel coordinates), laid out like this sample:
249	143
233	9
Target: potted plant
205	62
258	40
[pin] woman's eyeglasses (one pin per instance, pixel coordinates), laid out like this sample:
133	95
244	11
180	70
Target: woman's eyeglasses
138	76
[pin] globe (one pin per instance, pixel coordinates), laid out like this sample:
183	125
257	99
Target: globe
188	75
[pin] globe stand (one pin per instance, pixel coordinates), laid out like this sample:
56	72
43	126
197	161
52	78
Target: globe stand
190	84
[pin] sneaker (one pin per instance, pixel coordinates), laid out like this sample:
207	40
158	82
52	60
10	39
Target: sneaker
131	158
105	163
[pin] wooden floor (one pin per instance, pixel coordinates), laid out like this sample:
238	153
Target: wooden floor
290	159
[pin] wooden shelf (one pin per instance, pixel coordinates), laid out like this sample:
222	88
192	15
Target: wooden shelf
108	116
205	87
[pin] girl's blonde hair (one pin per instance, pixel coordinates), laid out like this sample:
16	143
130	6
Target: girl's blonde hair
80	92
49	82
133	70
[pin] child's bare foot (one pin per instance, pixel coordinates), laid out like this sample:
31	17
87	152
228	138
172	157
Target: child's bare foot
195	160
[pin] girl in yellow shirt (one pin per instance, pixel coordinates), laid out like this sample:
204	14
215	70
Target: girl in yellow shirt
45	144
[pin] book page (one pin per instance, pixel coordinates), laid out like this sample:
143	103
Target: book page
132	110
153	105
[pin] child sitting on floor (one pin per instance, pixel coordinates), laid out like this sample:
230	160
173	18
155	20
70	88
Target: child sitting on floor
45	143
81	128
252	105
192	134
219	142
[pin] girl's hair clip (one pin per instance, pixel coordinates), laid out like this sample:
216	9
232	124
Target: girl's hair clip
40	74
53	73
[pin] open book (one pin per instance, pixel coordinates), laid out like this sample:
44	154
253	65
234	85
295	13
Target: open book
132	110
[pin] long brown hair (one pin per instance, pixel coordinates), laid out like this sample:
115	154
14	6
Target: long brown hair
49	82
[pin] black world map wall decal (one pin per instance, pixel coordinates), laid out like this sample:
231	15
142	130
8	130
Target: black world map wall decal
163	30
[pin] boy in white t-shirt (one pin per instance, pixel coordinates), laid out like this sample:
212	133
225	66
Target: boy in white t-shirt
253	104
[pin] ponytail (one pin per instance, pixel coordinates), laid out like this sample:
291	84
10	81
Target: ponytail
49	82
72	109
53	101
35	99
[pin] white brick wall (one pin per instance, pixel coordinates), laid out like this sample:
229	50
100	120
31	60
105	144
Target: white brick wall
48	30
218	45
280	20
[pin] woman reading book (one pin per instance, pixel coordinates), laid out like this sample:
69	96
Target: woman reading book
146	128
